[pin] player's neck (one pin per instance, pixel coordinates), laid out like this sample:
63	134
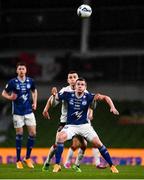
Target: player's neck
22	78
79	94
72	87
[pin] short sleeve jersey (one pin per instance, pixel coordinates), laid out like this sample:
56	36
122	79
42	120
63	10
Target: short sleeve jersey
22	105
77	107
63	117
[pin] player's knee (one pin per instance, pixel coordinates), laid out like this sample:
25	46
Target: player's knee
74	147
83	147
75	143
61	137
32	134
96	142
19	131
85	143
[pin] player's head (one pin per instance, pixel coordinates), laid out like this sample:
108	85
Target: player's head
21	69
80	85
72	77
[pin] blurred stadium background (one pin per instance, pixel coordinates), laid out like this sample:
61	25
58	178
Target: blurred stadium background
107	49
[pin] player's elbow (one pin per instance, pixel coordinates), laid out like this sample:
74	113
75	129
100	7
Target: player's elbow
107	99
3	93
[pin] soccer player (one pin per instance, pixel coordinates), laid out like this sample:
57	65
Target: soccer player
19	90
77	141
78	103
76	166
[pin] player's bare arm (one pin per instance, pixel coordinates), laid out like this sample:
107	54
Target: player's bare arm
47	107
107	99
50	102
90	114
34	98
54	91
8	96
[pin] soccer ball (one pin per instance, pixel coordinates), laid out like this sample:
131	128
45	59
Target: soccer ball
84	11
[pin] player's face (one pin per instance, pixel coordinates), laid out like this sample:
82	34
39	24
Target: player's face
80	86
21	71
72	79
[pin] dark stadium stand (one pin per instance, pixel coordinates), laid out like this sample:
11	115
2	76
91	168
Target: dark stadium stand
39	24
54	24
117	27
116	35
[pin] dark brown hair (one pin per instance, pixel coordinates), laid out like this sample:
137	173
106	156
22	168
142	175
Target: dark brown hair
72	72
81	79
21	64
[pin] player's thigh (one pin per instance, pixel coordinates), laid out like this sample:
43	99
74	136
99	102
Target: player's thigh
19	130
70	130
30	119
60	126
31	130
30	122
87	131
76	142
79	140
97	142
18	121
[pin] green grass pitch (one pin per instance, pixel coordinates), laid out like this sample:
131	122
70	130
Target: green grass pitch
88	172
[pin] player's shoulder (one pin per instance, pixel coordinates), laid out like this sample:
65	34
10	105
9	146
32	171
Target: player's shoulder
89	94
86	91
13	80
29	80
66	89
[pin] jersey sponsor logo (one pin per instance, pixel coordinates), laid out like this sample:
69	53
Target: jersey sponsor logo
24	97
77	105
77	114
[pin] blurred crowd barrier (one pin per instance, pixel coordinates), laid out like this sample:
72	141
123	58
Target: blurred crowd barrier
120	76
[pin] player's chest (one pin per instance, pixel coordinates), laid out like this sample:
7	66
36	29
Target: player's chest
22	87
78	103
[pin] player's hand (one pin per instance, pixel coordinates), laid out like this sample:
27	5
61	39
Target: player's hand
46	114
90	117
114	111
54	91
13	96
98	97
34	106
